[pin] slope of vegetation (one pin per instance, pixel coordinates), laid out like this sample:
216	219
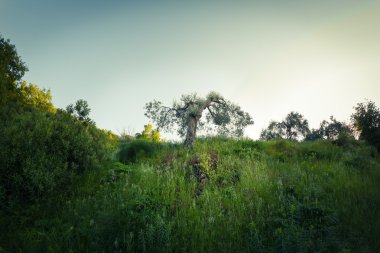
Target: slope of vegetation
274	196
68	186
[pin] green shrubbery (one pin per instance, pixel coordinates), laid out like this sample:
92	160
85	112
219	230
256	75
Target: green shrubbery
42	151
366	119
277	196
139	150
41	148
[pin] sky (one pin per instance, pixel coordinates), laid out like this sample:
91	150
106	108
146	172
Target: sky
318	58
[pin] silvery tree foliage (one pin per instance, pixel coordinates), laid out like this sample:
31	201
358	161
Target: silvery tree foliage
193	113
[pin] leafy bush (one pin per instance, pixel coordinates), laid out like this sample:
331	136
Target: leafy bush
149	134
137	150
42	151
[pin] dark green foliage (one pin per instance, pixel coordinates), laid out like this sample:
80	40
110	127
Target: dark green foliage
334	129
293	127
42	151
12	69
138	150
314	134
366	120
374	138
276	196
80	110
296	126
330	130
15	95
273	131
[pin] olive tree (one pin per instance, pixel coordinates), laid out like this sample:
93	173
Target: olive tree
191	113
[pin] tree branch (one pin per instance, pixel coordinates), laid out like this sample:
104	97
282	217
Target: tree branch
212	114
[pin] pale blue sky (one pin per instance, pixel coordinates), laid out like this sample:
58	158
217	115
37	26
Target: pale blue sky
319	58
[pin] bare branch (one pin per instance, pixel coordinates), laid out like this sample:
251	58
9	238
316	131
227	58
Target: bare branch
212	114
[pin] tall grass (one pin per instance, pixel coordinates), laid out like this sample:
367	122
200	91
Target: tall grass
275	196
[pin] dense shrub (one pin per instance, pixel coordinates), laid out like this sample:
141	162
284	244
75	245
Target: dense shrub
41	151
41	148
374	138
134	151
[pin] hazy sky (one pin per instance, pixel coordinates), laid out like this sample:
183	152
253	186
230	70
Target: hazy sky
318	58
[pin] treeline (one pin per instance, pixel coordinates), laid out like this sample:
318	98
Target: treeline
42	148
364	124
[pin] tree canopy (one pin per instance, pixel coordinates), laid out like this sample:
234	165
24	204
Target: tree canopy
15	93
186	116
38	98
366	120
293	127
80	110
12	69
330	130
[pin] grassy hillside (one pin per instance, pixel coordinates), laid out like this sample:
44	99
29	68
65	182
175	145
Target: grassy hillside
276	196
223	196
68	186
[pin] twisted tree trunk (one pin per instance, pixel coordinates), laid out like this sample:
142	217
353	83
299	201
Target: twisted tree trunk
191	131
192	124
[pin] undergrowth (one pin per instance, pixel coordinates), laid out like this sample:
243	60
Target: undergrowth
275	196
